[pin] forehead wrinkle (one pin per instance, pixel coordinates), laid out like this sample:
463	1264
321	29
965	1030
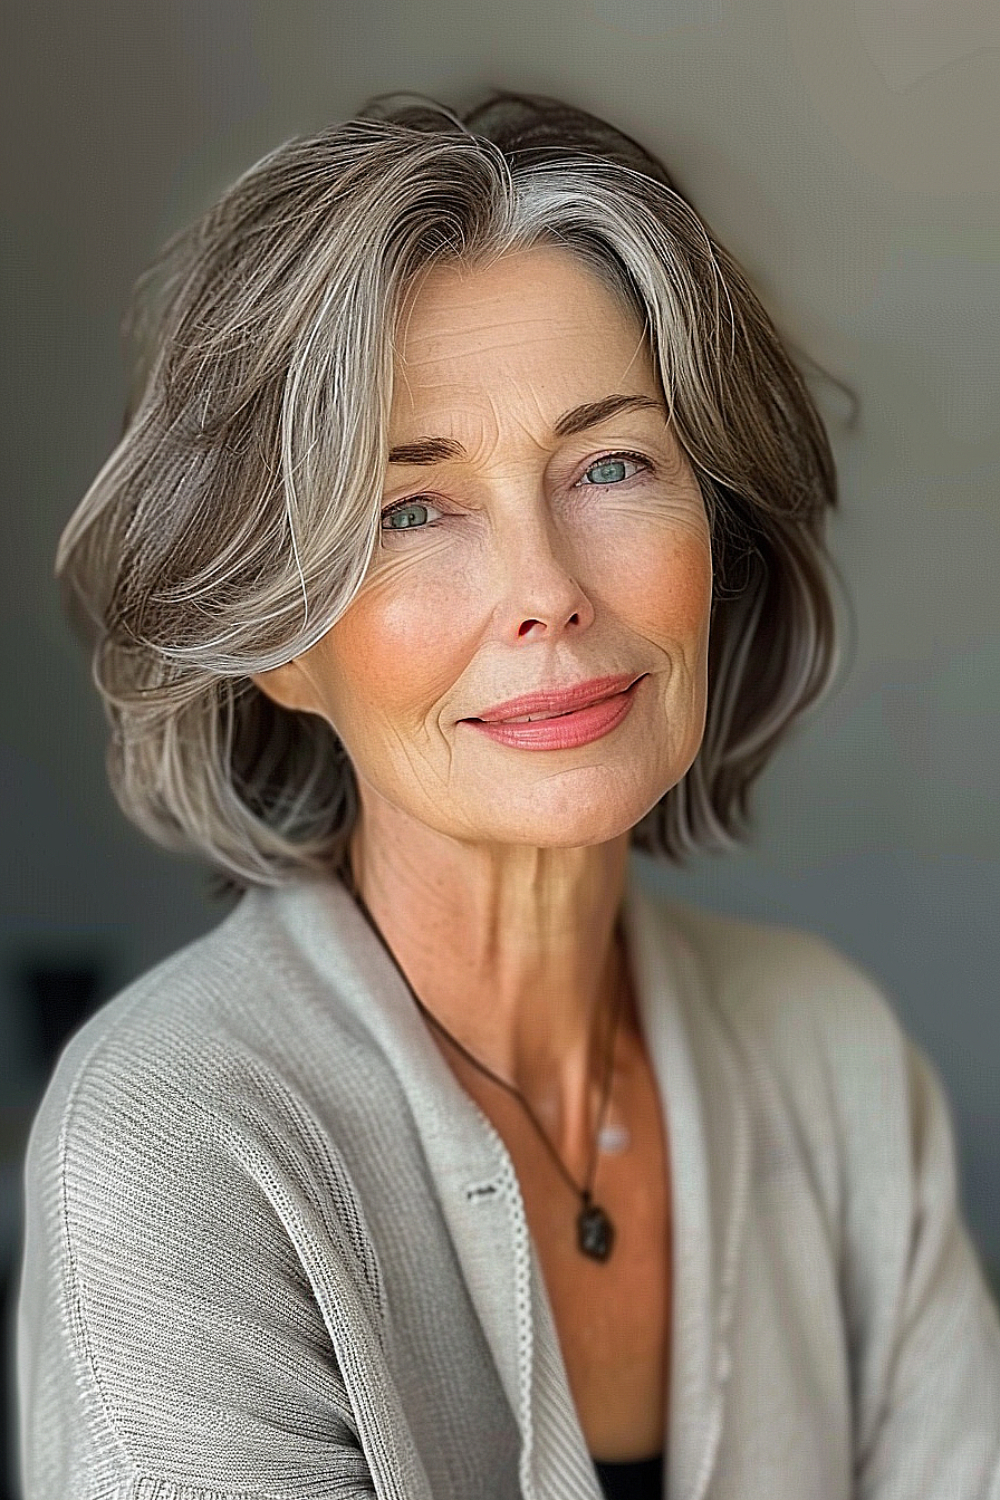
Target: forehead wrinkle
431	363
498	311
505	327
469	346
522	420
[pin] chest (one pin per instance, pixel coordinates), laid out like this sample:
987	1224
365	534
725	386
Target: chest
612	1317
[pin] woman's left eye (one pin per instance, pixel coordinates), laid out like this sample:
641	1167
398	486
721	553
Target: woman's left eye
408	515
612	467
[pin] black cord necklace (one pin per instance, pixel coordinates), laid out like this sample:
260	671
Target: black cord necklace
595	1232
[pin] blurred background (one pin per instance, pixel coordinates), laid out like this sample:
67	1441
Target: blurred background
848	153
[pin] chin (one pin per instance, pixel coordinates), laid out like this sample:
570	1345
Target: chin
563	822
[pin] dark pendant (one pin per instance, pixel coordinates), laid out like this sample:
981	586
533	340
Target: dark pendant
595	1233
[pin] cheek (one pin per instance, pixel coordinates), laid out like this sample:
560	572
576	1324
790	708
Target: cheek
665	585
402	646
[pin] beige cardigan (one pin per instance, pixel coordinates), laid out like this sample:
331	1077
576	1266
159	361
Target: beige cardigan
273	1250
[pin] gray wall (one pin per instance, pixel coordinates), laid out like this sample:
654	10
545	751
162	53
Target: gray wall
848	153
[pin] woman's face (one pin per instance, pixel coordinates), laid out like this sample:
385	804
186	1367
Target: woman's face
530	542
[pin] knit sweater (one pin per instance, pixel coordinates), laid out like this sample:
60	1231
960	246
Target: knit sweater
274	1250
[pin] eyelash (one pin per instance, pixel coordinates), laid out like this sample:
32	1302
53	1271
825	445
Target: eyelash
604	458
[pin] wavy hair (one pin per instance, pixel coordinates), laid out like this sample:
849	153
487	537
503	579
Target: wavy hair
235	520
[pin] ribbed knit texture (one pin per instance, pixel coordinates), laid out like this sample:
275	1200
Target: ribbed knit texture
273	1250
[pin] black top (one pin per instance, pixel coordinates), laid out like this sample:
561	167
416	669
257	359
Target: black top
639	1480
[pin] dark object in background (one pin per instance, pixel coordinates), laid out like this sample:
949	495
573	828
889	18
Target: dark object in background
7	1312
59	995
56	994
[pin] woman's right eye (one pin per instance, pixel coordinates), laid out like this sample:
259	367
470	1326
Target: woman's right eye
407	515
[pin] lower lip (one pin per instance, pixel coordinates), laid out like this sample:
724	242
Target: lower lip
568	730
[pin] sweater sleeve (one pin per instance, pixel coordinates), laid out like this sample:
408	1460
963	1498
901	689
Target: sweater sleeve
935	1429
171	1340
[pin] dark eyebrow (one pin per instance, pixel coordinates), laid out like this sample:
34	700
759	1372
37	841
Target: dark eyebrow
435	450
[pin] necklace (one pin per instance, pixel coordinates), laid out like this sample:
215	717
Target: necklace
595	1232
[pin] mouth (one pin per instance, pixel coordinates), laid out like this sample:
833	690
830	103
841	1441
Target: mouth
556	703
533	718
590	718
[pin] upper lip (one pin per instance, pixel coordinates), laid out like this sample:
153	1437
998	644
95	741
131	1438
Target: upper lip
558	700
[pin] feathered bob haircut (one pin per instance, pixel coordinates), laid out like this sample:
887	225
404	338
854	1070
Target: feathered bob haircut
235	520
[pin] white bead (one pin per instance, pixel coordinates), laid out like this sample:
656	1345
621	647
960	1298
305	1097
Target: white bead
613	1138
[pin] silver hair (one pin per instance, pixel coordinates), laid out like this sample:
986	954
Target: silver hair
235	520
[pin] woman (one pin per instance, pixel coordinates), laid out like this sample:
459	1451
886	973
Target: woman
466	536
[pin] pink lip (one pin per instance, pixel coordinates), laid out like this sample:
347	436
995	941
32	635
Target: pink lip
566	731
555	700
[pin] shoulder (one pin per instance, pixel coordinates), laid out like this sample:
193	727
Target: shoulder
158	1047
832	1076
841	1097
789	992
186	1107
232	1012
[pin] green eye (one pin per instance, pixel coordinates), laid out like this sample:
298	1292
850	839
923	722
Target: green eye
407	517
609	471
612	468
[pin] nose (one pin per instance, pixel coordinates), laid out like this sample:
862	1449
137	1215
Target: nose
540	592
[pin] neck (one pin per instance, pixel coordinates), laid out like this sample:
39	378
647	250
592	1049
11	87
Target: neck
511	948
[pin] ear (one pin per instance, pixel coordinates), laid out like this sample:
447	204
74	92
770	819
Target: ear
288	686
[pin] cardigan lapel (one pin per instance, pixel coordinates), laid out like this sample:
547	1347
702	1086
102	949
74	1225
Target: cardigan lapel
462	1155
696	1062
476	1184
